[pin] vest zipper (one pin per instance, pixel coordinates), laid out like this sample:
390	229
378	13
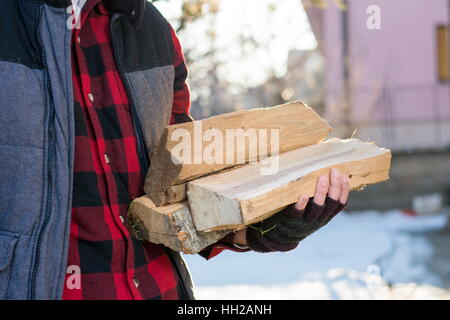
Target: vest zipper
50	167
145	161
141	144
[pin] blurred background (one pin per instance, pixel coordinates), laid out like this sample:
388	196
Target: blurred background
377	70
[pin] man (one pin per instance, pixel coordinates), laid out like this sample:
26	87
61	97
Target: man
83	102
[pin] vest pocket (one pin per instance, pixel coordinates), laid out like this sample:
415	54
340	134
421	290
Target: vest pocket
7	246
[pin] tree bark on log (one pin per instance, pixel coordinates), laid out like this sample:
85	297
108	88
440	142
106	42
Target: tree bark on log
169	225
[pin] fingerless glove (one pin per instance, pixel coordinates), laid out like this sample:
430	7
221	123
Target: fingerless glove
284	230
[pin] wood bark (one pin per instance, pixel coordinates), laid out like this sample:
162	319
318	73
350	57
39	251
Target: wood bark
169	225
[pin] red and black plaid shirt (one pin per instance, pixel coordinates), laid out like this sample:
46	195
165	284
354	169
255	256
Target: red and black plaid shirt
107	176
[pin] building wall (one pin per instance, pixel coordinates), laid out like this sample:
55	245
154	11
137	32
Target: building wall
396	98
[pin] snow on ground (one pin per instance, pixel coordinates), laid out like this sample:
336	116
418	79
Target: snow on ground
344	289
362	255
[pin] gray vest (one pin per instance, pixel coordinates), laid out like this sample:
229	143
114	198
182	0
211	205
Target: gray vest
37	133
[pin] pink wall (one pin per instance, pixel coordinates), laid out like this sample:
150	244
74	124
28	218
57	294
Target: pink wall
396	97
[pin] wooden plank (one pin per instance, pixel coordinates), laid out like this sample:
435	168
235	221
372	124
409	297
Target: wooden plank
173	194
244	196
297	126
169	225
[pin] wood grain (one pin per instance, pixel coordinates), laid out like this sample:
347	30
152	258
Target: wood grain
298	126
173	194
244	196
169	225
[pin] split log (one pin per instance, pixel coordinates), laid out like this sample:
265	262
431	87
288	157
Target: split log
169	225
173	194
297	125
176	193
244	196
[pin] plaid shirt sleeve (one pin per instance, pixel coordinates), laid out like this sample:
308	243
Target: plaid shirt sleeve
180	114
181	94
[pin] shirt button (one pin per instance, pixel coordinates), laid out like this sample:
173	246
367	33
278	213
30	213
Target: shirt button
133	13
79	39
136	282
91	97
122	219
107	159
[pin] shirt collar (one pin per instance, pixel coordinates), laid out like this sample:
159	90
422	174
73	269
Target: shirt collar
132	9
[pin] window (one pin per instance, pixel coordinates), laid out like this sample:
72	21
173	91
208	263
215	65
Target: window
443	53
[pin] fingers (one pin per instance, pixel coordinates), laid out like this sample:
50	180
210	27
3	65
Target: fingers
321	190
334	190
302	202
335	186
345	189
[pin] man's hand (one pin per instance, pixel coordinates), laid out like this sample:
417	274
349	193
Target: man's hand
335	185
283	231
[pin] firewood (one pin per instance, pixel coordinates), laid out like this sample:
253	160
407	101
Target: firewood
244	195
297	125
173	194
169	225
